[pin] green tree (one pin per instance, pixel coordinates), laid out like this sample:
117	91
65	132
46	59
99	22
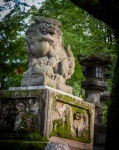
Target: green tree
13	57
84	33
12	48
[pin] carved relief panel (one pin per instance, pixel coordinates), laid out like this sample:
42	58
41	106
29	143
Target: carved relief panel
70	122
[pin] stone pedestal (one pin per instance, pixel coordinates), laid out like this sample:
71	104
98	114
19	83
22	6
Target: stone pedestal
29	113
99	137
39	81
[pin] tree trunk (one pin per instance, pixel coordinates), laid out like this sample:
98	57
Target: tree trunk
112	136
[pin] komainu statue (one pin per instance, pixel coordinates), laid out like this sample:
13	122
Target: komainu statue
48	57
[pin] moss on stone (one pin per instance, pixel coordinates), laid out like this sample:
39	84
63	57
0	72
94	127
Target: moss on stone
62	129
21	93
22	145
35	136
65	98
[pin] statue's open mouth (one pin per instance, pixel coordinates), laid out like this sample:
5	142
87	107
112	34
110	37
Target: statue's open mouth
48	31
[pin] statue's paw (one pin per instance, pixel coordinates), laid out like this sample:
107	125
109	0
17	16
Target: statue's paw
34	61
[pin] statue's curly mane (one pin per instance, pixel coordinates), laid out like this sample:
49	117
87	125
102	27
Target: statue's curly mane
42	35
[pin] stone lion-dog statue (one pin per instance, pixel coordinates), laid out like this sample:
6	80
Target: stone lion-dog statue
47	55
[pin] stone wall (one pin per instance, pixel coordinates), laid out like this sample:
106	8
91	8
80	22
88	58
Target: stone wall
36	112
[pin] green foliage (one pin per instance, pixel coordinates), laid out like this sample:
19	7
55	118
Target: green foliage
104	117
22	145
12	50
35	136
83	32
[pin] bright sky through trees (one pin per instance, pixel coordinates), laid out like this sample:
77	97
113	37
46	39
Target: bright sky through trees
24	4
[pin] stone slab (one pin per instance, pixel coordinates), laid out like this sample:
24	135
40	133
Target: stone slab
40	81
43	87
73	145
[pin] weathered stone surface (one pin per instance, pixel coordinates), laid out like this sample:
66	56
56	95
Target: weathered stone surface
73	145
48	57
56	146
46	82
57	115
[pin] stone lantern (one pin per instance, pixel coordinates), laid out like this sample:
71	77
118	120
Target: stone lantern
95	69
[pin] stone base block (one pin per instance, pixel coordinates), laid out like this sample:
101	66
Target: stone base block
73	145
56	146
31	113
39	81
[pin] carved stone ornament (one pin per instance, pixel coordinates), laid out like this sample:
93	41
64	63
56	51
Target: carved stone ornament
47	56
